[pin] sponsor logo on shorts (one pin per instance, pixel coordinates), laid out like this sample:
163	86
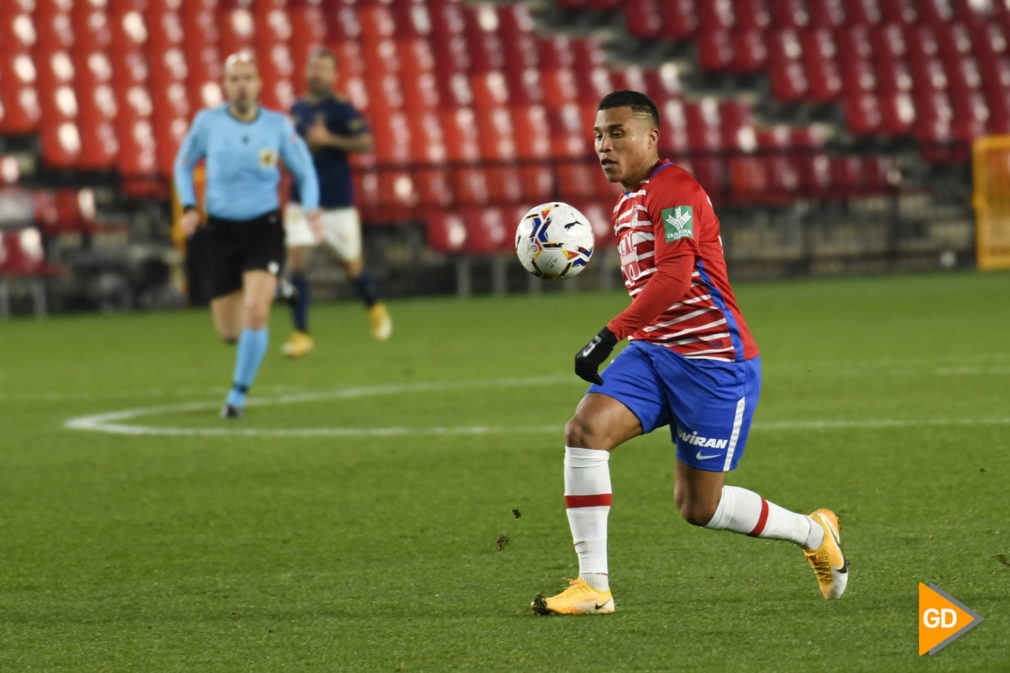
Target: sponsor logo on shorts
694	439
274	268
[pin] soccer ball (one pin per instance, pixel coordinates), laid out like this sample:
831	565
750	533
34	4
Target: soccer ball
554	240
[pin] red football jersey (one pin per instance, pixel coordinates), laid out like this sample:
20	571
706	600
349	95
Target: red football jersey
675	271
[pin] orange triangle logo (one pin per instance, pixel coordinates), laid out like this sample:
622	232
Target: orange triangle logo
942	619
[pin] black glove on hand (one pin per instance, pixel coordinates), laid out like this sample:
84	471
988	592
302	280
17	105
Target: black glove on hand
589	359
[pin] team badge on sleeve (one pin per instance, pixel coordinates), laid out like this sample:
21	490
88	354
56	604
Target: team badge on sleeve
678	223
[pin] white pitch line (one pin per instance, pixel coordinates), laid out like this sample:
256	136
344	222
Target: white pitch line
112	422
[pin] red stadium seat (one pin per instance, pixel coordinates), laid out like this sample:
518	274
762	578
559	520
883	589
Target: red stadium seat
381	57
680	19
893	76
779	165
752	14
459	128
451	55
21	110
446	232
569	138
888	42
899	11
556	52
858	77
791	13
417	57
787	79
716	16
521	52
533	131
628	77
420	92
820	62
427	138
862	12
593	83
166	30
504	183
559	86
497	138
96	103
862	113
377	21
644	18
663	82
99	146
673	134
750	50
237	30
168	67
391	134
485	47
703	125
433	188
897	111
938	13
129	29
469	186
490	89
488	231
308	28
446	19
60	143
22	257
715	49
412	19
54	27
17	33
599	212
827	13
575	180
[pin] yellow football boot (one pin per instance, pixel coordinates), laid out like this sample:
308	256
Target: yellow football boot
578	599
380	324
298	345
828	561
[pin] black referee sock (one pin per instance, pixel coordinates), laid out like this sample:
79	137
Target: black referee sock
365	286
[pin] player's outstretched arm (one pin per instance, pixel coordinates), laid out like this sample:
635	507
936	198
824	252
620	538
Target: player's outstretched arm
193	148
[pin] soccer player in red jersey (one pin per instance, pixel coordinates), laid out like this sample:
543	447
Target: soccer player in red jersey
691	364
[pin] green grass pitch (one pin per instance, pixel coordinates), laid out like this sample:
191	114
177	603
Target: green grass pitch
361	518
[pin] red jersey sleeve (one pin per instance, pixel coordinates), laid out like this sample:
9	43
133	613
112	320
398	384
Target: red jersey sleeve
671	211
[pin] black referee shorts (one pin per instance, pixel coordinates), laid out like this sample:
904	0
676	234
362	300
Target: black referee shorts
237	246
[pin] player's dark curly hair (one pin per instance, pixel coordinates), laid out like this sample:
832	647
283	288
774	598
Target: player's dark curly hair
638	102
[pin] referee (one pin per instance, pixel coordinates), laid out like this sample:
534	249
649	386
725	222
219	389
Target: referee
242	143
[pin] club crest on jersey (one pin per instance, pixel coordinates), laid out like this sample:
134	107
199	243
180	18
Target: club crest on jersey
268	157
678	223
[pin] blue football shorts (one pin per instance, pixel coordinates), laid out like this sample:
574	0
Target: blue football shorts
708	404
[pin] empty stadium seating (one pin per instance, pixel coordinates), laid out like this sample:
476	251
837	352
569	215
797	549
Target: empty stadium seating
473	108
23	260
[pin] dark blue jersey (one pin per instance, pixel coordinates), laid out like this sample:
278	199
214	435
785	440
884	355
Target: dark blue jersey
332	166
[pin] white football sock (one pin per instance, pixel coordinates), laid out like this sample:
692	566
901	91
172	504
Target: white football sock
743	511
587	497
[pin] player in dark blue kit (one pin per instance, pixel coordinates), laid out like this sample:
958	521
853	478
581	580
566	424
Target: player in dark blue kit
333	129
242	143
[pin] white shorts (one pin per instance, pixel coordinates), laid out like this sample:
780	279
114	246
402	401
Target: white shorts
341	229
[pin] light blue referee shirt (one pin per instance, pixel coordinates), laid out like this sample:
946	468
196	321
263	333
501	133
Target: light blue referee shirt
242	172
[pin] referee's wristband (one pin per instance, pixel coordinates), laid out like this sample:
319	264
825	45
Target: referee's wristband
186	209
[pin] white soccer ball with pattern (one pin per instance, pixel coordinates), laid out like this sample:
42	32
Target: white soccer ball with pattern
554	240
